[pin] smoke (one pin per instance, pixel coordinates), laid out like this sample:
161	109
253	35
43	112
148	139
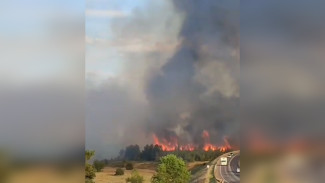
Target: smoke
197	89
178	75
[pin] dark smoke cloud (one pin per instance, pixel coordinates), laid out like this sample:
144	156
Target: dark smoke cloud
188	96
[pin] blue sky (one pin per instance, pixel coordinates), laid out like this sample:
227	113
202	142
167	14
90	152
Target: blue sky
109	34
99	14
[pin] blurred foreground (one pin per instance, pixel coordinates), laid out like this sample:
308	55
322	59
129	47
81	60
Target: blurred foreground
282	91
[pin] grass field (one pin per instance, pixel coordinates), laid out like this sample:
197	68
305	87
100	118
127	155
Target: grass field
107	175
145	169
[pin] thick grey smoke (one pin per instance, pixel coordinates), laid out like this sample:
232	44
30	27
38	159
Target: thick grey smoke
197	88
178	75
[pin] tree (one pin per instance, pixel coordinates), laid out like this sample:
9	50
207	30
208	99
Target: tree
150	152
135	178
89	169
171	170
132	152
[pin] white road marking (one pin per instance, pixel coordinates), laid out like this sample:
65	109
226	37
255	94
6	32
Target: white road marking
231	172
221	173
226	171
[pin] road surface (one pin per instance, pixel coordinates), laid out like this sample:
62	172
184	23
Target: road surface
228	173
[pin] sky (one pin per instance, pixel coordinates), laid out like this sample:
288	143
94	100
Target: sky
104	41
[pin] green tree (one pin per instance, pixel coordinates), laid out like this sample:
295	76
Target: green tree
89	169
135	178
171	170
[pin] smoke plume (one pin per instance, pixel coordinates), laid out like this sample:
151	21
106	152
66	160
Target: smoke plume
197	89
178	76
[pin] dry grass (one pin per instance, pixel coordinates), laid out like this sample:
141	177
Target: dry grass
107	175
145	169
194	164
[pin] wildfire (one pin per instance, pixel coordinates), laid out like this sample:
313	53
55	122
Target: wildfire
173	145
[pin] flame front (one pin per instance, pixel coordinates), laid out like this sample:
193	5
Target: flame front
165	145
173	145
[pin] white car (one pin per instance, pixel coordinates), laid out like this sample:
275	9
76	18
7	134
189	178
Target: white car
238	170
229	156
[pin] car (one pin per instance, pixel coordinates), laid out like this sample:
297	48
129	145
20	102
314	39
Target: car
229	156
238	170
231	153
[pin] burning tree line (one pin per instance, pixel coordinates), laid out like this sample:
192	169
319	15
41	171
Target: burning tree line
153	152
172	144
164	146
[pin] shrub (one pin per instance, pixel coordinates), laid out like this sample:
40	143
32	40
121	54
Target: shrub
129	166
119	171
90	171
135	178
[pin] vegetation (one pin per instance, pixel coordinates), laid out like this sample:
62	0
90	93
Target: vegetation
89	169
154	152
119	171
99	165
151	152
171	170
89	154
132	152
135	178
129	166
197	155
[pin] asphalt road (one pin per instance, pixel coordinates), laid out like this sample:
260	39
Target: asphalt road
228	173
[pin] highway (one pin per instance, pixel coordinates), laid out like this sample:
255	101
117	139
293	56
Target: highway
228	173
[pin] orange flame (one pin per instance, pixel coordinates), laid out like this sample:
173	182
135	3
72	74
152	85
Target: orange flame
173	145
165	145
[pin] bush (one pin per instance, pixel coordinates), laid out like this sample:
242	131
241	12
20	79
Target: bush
171	170
129	166
135	178
90	171
98	165
119	171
